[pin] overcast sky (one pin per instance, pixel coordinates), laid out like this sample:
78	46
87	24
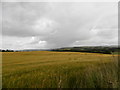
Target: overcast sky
38	25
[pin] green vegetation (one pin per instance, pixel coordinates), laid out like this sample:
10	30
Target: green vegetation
47	69
90	49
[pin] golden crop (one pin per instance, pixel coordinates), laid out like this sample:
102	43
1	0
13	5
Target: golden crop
47	69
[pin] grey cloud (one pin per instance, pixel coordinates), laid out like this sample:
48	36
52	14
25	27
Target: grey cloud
60	24
19	17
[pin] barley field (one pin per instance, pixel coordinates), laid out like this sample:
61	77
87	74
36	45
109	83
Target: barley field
47	69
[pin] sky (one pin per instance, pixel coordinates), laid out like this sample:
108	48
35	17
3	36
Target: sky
43	25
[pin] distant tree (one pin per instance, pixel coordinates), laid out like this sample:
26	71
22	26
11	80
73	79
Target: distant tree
7	50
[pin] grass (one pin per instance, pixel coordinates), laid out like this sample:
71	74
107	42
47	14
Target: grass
45	69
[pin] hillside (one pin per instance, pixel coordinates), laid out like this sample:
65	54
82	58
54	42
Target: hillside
90	49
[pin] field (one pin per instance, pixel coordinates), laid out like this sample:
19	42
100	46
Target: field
47	69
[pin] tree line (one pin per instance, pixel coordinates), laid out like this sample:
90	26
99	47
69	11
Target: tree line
104	50
7	50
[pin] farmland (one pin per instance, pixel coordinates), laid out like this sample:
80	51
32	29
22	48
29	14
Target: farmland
47	69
